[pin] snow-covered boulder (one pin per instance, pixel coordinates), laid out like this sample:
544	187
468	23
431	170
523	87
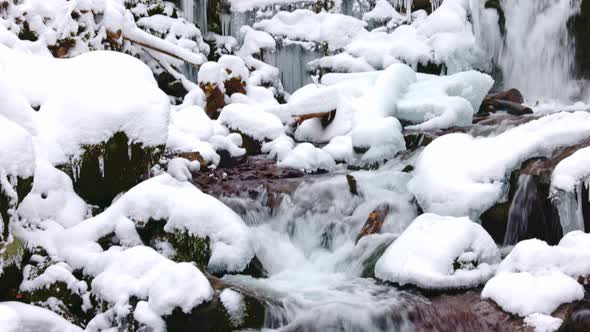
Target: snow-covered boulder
104	128
470	180
17	316
524	294
537	278
307	157
437	252
256	126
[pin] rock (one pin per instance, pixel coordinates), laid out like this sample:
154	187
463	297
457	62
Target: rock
193	156
22	188
579	26
577	318
170	85
235	85
352	185
12	260
215	99
375	221
107	169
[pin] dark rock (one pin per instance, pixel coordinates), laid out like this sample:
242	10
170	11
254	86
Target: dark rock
235	85
579	27
577	318
104	170
170	85
22	188
352	185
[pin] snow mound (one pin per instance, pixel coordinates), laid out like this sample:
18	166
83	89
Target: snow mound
16	151
87	99
307	157
524	293
336	30
437	252
571	171
249	120
470	180
440	102
17	317
543	323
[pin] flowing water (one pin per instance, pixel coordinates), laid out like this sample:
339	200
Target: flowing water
317	273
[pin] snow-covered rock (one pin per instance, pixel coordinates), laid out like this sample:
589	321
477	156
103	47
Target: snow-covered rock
437	252
571	171
17	316
524	294
307	157
469	180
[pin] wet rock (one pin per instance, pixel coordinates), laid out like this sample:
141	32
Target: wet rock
352	185
170	85
107	169
577	318
579	27
462	312
194	156
375	221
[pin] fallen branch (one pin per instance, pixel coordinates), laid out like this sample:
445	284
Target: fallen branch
326	117
375	221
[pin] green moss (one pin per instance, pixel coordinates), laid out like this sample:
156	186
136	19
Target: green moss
71	304
27	34
124	165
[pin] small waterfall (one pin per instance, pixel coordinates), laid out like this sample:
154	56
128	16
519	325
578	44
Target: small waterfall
531	214
538	53
404	4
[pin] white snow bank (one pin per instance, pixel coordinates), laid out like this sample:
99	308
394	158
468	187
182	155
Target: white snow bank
336	30
469	180
252	121
278	148
381	136
437	252
307	157
524	293
21	317
383	12
17	156
85	100
571	171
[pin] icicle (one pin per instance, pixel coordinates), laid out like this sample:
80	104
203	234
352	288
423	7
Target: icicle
291	60
129	151
435	4
101	165
404	4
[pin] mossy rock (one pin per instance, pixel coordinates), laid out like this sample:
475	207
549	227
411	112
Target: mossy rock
23	187
170	85
12	259
213	316
188	248
104	170
69	305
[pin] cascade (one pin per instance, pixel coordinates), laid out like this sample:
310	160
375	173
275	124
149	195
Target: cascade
315	270
536	54
195	11
531	214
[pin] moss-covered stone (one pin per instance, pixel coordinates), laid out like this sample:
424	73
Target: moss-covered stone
212	316
13	257
104	170
22	188
170	85
188	248
69	305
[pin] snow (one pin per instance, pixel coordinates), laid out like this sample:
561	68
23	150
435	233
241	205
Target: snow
17	151
383	11
524	294
233	302
307	157
442	102
212	72
543	323
382	137
52	197
73	113
571	171
16	316
252	121
469	180
245	5
336	30
278	148
234	66
426	253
